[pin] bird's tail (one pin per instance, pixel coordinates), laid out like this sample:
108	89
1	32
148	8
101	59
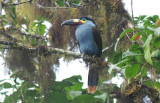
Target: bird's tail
93	78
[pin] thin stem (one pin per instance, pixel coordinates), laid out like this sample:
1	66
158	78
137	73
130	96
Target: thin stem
132	10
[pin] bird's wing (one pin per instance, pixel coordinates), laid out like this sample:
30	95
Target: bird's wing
98	40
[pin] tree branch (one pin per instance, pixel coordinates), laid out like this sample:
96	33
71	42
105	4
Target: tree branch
49	50
6	42
36	36
14	4
40	6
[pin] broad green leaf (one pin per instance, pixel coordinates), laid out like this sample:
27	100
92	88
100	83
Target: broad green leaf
76	1
156	54
156	65
113	66
141	17
73	94
146	47
134	47
4	93
6	85
73	79
60	3
153	18
61	85
77	86
125	32
157	85
102	96
31	92
129	53
56	97
157	42
74	87
122	35
132	71
134	36
13	98
85	99
143	71
156	31
42	29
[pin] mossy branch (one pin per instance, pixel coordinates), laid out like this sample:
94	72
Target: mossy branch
36	36
14	4
48	50
40	6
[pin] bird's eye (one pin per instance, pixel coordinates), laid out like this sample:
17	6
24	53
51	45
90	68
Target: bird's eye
84	19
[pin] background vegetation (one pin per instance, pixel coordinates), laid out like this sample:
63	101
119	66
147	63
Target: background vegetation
31	51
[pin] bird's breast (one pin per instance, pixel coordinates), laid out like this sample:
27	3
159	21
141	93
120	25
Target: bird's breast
84	35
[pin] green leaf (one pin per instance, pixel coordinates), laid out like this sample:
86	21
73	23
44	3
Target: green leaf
73	94
60	3
102	96
156	54
76	1
125	32
6	85
134	36
153	18
129	53
113	66
122	35
77	86
146	47
56	97
132	71
13	98
143	71
60	85
73	79
157	42
156	65
156	31
157	85
42	29
85	99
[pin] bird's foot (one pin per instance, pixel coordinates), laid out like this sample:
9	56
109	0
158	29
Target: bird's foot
84	57
93	57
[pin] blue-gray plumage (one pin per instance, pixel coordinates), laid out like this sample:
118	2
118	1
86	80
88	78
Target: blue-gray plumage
90	42
84	35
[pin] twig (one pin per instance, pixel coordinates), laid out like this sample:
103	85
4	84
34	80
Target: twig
40	6
0	9
14	4
132	11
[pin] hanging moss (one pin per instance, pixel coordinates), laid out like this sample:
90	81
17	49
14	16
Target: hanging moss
109	15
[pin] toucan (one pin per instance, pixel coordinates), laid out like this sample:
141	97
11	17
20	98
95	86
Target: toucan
90	43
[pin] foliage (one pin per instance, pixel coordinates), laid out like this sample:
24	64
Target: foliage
26	24
67	91
142	57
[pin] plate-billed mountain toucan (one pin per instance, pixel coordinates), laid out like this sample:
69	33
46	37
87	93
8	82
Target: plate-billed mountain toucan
90	42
